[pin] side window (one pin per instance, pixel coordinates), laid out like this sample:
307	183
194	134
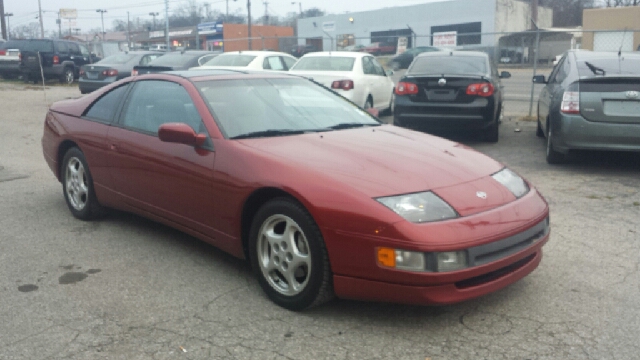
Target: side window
147	59
274	63
154	102
563	70
105	108
379	70
554	74
74	49
62	48
84	51
367	66
288	61
205	59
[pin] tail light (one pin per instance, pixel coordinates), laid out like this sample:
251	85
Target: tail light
110	72
81	72
56	60
3	52
570	102
134	72
406	88
480	89
345	85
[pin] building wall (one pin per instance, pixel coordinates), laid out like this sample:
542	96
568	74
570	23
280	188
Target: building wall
419	17
515	15
622	18
263	36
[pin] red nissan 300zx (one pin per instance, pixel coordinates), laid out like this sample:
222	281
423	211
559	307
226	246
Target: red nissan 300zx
322	198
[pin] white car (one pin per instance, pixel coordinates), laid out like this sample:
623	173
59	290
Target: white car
355	75
250	60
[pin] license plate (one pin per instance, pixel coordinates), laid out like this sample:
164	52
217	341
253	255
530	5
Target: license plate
92	75
622	108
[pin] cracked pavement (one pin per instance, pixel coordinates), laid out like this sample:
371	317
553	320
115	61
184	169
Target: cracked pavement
128	288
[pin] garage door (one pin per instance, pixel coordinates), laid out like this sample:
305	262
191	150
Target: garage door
611	41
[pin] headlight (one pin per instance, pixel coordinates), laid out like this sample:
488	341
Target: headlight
511	181
419	207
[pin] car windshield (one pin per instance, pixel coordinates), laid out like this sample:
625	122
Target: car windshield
610	66
230	60
117	59
172	59
273	106
325	63
451	65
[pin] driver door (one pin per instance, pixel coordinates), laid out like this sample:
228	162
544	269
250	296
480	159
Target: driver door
169	180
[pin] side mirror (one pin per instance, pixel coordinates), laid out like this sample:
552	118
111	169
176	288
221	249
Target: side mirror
373	111
505	75
180	133
539	79
389	72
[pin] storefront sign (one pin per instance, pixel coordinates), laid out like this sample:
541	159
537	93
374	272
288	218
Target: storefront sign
68	13
445	39
210	28
329	26
155	34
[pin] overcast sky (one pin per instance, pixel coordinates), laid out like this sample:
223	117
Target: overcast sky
26	11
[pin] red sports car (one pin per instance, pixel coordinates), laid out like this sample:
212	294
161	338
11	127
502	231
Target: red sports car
322	198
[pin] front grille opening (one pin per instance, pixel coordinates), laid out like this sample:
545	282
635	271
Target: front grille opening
485	278
499	254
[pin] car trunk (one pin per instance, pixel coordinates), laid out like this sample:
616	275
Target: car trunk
94	72
613	99
454	89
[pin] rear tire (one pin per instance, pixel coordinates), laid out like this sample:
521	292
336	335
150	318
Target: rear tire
553	156
289	257
492	134
539	131
67	76
77	186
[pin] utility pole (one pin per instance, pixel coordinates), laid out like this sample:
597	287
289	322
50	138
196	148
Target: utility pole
249	21
128	33
3	26
8	25
101	11
166	24
59	25
41	23
266	13
154	14
534	14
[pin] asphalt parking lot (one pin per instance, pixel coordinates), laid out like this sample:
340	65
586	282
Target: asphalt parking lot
127	288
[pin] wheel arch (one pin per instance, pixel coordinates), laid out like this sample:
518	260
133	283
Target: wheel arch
252	204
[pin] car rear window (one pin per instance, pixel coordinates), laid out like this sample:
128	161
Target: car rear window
230	60
29	45
173	59
451	65
611	66
325	63
117	59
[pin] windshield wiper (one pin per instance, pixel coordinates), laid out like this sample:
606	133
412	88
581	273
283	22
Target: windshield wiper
268	133
350	126
595	69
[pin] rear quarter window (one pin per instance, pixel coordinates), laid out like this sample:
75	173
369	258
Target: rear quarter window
105	108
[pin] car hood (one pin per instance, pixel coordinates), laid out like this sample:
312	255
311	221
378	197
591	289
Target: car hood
388	160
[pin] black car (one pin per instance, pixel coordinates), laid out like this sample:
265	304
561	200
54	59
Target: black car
175	60
402	61
299	50
113	68
452	90
591	101
53	58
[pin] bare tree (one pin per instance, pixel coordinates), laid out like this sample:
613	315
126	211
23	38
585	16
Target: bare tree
620	3
567	13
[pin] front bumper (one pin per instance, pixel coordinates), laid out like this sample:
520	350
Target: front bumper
9	68
476	115
503	244
575	132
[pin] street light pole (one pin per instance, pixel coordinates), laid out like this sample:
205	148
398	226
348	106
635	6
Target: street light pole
8	25
249	21
166	24
41	24
102	11
154	14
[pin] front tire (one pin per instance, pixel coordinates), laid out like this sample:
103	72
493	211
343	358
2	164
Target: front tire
539	131
289	257
77	186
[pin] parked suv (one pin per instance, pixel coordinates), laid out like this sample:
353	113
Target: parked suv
60	59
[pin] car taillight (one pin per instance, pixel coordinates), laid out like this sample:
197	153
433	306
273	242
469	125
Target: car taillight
406	88
81	72
480	89
345	85
570	102
110	72
3	52
134	72
56	60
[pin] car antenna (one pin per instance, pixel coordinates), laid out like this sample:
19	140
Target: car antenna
622	42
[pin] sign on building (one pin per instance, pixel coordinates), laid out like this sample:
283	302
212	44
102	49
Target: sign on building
210	28
329	26
445	39
68	13
402	45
